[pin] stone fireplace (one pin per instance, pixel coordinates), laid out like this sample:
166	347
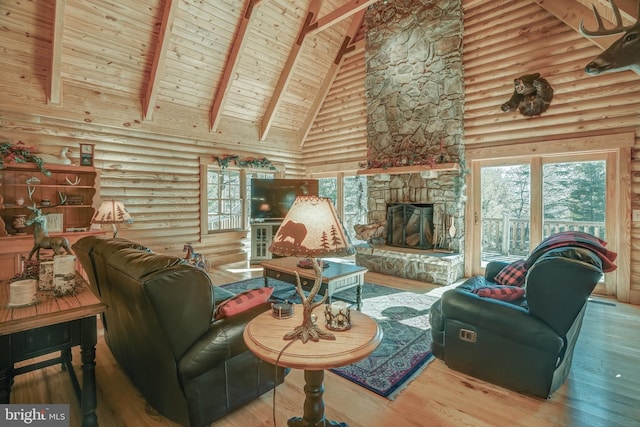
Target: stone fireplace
410	225
415	103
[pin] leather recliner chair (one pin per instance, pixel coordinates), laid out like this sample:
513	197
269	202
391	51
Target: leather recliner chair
159	327
526	345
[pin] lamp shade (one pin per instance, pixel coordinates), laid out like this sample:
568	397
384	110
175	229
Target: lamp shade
311	228
111	212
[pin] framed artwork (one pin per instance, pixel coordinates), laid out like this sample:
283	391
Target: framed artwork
86	154
54	222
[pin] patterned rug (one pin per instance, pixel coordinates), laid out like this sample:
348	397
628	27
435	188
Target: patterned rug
405	349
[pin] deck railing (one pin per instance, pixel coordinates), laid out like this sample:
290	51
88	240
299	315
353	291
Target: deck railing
510	237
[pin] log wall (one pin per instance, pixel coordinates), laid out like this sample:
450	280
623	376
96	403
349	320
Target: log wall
152	167
506	39
337	140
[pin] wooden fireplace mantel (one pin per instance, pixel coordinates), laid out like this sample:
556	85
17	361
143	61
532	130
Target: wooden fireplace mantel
440	167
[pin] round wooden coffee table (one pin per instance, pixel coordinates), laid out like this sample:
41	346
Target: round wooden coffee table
263	335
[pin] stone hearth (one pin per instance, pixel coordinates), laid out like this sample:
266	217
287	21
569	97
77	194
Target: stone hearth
426	266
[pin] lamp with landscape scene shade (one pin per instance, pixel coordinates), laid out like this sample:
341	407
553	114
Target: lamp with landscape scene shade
112	212
311	228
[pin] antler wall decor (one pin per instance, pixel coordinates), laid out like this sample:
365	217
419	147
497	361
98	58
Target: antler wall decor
624	54
74	182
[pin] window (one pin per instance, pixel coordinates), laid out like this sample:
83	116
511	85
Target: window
355	204
566	185
328	187
572	197
227	206
349	196
224	200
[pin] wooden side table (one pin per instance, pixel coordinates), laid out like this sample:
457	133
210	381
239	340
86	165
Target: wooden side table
263	335
53	324
337	277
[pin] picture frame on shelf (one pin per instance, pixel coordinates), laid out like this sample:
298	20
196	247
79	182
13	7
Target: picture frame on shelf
55	222
86	154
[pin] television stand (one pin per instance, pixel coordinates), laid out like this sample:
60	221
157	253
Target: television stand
261	237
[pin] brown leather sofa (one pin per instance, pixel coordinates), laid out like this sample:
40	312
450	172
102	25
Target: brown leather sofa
158	325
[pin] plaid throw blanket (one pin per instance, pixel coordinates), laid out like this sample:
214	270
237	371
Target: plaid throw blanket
578	239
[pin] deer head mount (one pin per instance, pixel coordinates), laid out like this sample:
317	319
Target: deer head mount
624	54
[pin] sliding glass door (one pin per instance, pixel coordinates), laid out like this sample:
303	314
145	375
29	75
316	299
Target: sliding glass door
574	197
522	202
506	212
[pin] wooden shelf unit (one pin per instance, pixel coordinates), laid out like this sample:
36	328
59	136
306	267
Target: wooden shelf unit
76	212
77	183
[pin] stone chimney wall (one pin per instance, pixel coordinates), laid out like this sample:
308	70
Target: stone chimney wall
414	83
415	105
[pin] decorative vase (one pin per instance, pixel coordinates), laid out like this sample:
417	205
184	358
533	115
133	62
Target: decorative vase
19	223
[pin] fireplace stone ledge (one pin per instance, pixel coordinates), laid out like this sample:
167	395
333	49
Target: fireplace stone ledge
424	265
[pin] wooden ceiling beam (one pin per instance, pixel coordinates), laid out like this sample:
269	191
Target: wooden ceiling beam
55	81
285	76
343	12
348	45
628	8
230	65
571	12
159	59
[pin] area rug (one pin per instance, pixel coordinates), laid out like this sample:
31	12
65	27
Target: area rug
405	349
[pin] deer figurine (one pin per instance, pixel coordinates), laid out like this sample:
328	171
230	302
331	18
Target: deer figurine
624	54
41	239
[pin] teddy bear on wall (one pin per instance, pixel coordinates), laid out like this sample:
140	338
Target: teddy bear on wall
532	95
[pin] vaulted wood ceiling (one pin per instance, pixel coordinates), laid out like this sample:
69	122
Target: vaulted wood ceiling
268	62
263	61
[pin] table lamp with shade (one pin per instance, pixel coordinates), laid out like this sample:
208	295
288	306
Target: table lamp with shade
112	212
312	229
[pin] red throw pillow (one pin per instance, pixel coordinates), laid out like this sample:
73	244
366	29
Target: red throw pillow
513	274
242	302
504	293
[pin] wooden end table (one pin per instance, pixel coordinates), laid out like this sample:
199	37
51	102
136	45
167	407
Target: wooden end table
335	278
263	335
53	324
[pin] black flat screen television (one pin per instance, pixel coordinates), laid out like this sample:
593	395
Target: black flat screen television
272	198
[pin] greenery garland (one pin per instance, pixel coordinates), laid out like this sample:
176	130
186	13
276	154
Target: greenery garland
430	161
246	162
20	153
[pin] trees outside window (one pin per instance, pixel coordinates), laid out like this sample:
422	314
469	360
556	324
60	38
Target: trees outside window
573	197
349	196
224	200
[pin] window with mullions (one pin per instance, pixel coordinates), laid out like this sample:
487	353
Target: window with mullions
350	202
224	200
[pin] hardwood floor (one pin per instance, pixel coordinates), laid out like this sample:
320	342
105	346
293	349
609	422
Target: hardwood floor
602	389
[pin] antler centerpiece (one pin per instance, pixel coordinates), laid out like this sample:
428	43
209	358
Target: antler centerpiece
311	229
309	329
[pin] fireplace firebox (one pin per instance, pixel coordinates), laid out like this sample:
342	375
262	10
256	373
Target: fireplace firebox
410	225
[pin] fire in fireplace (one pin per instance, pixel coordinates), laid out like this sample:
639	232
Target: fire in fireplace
410	225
